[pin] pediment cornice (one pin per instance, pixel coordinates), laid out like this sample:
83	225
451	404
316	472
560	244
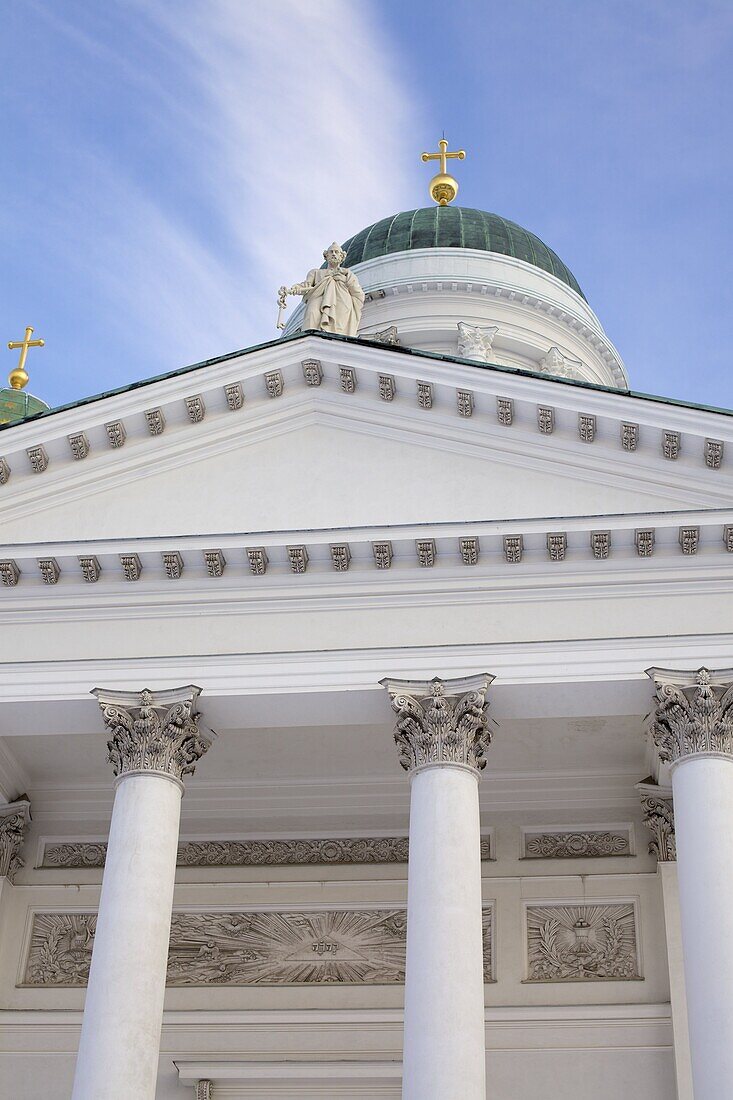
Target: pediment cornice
606	436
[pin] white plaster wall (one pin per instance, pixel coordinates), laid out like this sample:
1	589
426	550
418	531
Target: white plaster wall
603	1068
238	618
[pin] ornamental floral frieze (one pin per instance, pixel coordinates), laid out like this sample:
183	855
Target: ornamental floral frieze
74	853
576	843
441	721
582	943
324	947
253	853
693	713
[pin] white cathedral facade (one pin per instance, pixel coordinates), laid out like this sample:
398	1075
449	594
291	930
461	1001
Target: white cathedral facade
431	626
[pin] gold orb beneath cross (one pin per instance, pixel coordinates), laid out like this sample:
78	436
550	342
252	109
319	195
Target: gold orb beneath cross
18	378
443	188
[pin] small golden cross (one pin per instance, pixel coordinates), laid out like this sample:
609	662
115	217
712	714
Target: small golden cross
18	378
444	155
443	187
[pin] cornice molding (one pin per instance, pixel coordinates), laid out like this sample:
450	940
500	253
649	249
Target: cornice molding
282	673
641	548
181	437
265	1020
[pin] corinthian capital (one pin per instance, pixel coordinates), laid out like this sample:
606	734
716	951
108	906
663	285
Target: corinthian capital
14	818
441	721
656	804
153	731
693	713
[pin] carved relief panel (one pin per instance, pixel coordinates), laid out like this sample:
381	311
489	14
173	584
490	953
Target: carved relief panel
253	853
332	946
582	942
576	842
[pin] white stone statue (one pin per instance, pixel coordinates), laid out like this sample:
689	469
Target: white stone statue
332	295
475	342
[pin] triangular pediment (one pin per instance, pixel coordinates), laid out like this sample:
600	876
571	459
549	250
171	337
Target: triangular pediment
317	456
321	475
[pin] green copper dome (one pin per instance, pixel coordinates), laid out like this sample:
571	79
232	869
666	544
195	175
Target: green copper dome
16	405
455	227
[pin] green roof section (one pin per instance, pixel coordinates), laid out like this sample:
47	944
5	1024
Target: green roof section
17	405
455	227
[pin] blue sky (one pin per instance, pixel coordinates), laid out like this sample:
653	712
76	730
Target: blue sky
167	164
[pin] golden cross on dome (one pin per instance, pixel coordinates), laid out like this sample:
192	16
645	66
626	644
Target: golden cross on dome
443	187
18	378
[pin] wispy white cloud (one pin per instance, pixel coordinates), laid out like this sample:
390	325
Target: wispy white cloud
270	129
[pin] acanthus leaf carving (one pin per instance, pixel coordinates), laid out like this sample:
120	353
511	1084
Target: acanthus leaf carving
561	366
153	732
14	819
693	713
441	721
658	809
476	341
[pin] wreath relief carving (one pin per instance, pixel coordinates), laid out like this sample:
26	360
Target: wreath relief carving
582	943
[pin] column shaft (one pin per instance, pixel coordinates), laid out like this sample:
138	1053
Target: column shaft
154	742
442	734
444	1048
120	1038
703	806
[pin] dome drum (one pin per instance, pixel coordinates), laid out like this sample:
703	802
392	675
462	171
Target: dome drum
426	271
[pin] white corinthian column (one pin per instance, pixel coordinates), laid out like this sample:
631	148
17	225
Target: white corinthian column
442	734
692	727
155	741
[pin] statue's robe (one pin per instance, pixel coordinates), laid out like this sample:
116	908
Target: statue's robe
331	304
